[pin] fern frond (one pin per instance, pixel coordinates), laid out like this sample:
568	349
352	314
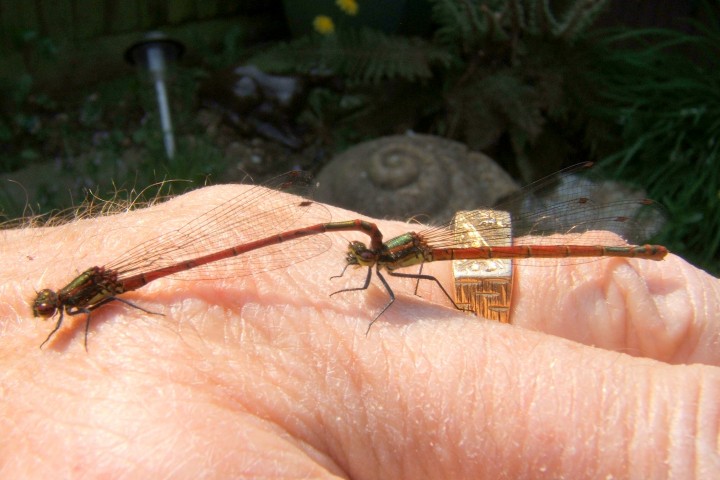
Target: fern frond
361	56
297	56
578	18
490	104
462	23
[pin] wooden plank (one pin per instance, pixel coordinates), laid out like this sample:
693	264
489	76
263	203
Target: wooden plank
121	16
181	11
100	57
56	18
153	14
206	9
88	18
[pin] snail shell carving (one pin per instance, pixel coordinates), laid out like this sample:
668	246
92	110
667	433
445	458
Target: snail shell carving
402	176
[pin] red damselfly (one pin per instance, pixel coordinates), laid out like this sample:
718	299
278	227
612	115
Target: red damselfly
248	229
574	224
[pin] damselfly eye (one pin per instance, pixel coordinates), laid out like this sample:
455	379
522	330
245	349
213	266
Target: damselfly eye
45	304
367	256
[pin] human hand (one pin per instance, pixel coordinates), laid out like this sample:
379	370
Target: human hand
269	376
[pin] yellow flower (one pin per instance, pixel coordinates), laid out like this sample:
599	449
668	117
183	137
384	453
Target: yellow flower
323	25
348	6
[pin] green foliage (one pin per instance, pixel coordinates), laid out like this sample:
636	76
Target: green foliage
101	144
667	107
470	24
22	116
462	26
233	50
500	66
513	75
359	55
538	18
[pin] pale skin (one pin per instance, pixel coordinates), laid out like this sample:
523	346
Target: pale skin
267	376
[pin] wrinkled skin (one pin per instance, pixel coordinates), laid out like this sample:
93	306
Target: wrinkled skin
610	369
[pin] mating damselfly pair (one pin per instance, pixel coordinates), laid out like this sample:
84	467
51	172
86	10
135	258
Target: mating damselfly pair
264	229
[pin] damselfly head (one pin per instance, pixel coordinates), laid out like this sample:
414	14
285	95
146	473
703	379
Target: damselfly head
45	304
359	254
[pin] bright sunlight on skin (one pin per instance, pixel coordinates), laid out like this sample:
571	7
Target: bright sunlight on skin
266	375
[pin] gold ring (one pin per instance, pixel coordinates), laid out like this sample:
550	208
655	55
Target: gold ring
483	286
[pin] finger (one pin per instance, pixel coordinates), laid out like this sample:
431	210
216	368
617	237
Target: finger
663	310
